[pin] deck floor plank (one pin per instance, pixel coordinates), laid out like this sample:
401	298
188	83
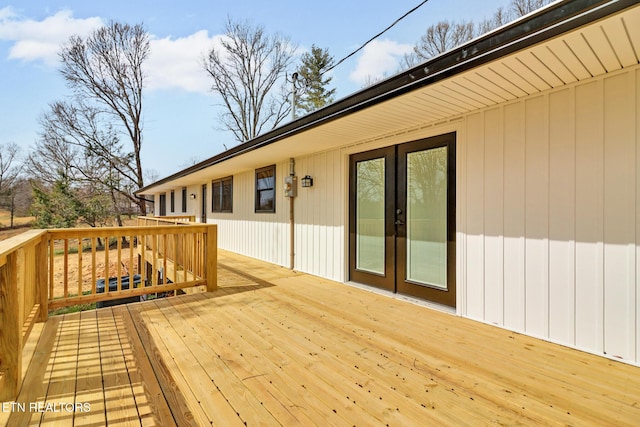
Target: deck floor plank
277	403
174	388
246	408
89	388
278	376
35	384
372	387
540	379
276	347
185	369
119	398
411	359
152	405
62	375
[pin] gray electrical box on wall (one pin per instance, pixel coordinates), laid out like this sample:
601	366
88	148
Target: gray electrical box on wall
290	186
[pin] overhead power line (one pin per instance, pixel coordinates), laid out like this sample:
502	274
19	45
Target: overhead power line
374	37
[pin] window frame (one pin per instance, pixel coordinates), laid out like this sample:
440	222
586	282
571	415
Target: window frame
219	183
172	202
258	191
184	199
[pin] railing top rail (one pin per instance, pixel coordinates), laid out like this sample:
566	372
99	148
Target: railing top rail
21	240
176	219
61	233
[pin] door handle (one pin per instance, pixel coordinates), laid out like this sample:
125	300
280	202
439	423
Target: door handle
399	221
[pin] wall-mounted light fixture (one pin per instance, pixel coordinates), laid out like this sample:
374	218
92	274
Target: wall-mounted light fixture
192	196
307	181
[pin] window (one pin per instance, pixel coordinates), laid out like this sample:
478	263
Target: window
266	189
173	201
163	204
184	199
222	195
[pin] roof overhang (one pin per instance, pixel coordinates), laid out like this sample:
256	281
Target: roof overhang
563	43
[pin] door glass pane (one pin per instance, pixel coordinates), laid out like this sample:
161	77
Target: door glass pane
370	215
427	217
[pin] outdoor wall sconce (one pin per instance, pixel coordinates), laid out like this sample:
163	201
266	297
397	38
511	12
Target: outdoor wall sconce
192	196
307	181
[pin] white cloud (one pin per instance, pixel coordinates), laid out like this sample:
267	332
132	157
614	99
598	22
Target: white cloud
378	58
178	63
41	40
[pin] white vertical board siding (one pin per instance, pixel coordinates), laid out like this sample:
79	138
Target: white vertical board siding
514	215
619	216
537	216
494	216
561	216
551	216
589	251
474	221
320	216
259	235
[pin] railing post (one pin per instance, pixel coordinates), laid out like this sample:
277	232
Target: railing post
11	336
42	278
211	258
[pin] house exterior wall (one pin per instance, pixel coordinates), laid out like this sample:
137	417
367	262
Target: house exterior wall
259	235
548	208
551	209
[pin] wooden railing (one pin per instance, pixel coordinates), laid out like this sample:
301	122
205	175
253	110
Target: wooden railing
149	260
157	220
46	269
23	301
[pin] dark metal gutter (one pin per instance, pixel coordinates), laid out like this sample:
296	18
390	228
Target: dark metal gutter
549	22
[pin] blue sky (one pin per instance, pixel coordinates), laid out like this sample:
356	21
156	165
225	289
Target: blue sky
179	111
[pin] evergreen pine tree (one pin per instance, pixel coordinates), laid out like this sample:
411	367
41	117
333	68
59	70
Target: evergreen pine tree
317	95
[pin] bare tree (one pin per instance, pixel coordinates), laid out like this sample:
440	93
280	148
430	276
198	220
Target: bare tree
248	71
9	167
10	170
520	8
515	10
371	80
442	37
104	71
499	18
76	144
446	35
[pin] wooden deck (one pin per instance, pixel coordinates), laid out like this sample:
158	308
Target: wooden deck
273	347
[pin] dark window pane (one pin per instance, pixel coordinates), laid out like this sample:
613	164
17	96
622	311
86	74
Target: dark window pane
216	196
265	200
227	195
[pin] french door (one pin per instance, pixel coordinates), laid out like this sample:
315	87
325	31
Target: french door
402	219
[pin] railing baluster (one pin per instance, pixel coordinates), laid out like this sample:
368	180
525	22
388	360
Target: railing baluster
93	265
119	265
164	259
51	269
106	264
79	266
185	256
66	268
154	269
130	270
142	259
